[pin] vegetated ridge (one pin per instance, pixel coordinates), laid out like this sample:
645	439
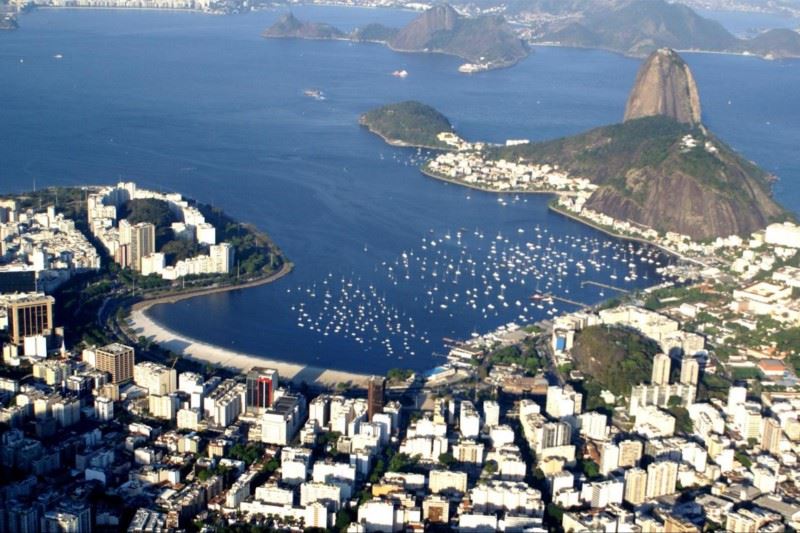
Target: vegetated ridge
614	358
407	123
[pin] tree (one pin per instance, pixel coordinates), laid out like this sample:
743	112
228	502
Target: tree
402	462
343	519
447	460
590	469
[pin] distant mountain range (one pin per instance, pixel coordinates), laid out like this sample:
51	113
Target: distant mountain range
487	41
639	27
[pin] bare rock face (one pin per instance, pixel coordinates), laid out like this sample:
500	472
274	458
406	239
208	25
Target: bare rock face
664	86
418	34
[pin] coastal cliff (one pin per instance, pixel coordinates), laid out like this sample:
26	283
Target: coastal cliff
664	86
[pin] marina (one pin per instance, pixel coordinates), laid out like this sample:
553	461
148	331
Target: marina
467	276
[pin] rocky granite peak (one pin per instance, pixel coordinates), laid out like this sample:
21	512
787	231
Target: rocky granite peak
418	34
664	86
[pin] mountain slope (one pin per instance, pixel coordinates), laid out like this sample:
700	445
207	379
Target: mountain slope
487	40
641	26
665	175
288	26
664	86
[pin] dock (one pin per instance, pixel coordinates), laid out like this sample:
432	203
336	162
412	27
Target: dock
604	286
550	296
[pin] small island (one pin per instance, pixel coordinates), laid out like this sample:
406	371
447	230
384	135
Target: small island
408	123
486	42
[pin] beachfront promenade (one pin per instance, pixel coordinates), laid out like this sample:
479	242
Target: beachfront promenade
143	326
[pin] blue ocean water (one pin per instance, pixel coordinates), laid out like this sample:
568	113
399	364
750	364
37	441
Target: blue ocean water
204	106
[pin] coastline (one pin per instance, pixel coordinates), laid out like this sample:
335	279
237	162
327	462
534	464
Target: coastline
611	233
401	144
139	324
461	183
622	53
551	206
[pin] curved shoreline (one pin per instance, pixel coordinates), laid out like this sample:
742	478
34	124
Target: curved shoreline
462	183
139	324
552	207
399	143
286	268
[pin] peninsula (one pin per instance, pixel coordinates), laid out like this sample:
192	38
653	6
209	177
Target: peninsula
659	172
486	41
408	123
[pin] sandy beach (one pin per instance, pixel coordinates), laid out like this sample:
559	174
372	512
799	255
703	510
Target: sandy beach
143	325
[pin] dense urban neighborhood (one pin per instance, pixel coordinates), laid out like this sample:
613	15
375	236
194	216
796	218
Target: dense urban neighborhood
673	409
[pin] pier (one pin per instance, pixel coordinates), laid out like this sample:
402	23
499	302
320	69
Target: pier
604	286
545	297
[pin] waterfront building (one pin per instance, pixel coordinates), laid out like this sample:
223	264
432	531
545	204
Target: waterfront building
116	359
375	396
143	243
30	315
261	385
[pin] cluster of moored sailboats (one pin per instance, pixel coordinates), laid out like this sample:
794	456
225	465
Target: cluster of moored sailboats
478	279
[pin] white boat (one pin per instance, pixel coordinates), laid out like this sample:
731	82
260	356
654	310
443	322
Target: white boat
400	73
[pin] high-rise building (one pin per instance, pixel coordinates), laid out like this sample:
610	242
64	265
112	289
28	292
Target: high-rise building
630	451
771	434
555	434
222	257
261	385
661	368
123	255
375	396
143	243
609	458
736	396
690	371
117	360
635	485
662	478
491	413
30	315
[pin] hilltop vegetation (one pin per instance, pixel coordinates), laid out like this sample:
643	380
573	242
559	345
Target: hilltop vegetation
407	123
613	358
649	175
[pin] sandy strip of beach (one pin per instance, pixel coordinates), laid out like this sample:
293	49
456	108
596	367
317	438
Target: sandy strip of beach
144	326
